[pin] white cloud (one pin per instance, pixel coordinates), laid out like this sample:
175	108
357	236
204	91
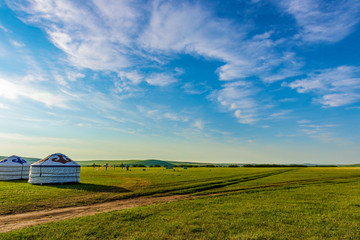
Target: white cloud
60	80
67	76
173	29
195	88
175	117
150	34
73	75
17	44
34	140
100	42
199	124
14	89
133	76
303	121
145	33
287	100
108	40
280	114
320	132
335	86
321	20
239	97
162	112
339	99
160	79
3	106
245	118
4	28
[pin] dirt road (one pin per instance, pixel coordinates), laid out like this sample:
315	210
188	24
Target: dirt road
17	221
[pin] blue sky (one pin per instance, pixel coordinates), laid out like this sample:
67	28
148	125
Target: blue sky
259	81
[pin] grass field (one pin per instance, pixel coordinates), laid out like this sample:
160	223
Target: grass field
253	203
100	186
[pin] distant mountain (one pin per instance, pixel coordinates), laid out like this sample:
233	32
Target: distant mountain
176	163
351	165
148	162
310	164
152	162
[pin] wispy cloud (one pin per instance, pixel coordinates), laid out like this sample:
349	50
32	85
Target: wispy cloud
303	121
172	29
195	88
17	44
4	28
321	20
109	41
335	86
133	77
63	78
160	79
239	97
101	42
199	124
36	139
280	114
137	44
3	106
20	88
320	132
152	35
162	112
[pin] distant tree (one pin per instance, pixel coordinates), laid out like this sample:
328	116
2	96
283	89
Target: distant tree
138	165
273	165
210	165
233	165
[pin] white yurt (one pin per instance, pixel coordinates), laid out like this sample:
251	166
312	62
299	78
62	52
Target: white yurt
14	168
55	168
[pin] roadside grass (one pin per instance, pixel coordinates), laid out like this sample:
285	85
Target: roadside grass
101	186
299	210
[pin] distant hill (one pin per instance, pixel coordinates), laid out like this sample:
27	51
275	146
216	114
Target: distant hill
176	163
351	165
162	163
148	162
125	162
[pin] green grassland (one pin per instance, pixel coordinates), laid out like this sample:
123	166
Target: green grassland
98	185
252	203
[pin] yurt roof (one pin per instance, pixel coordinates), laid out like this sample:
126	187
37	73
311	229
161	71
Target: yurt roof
14	161
56	160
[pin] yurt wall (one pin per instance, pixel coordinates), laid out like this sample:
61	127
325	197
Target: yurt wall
14	168
55	168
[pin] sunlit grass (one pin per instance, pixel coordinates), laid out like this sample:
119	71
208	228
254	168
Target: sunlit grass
327	209
100	185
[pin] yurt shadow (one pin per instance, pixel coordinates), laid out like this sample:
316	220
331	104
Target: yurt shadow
17	181
90	187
